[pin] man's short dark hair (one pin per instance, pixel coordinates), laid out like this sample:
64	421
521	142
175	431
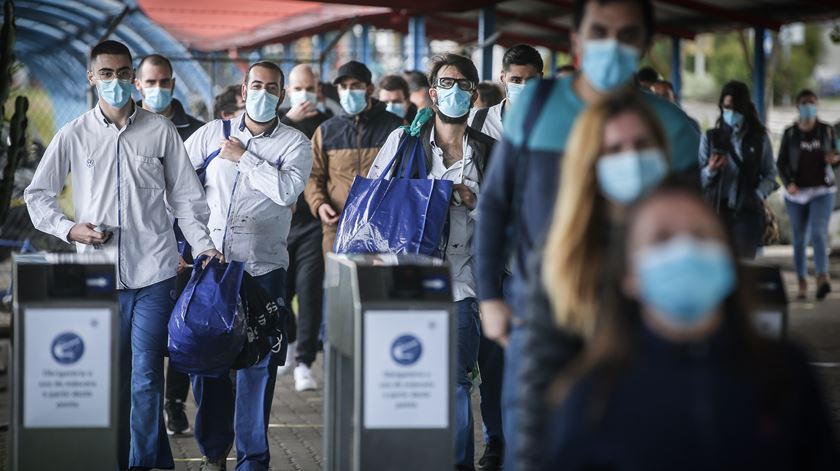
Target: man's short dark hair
490	93
647	74
416	80
463	64
227	101
394	83
648	16
158	60
109	47
522	54
805	93
267	65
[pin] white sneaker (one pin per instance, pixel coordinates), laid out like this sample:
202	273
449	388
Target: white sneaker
303	379
290	361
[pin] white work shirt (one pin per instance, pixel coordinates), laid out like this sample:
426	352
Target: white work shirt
251	201
120	179
493	126
461	219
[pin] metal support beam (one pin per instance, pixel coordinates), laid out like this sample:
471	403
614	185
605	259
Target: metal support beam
486	29
552	62
759	69
725	13
416	42
676	66
366	53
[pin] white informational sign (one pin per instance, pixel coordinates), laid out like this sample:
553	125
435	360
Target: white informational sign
406	369
67	368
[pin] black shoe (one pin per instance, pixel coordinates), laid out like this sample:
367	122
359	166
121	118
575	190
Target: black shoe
176	418
823	289
494	455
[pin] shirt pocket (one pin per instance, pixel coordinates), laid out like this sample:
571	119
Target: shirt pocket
148	172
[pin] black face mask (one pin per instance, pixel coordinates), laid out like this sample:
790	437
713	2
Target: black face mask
451	120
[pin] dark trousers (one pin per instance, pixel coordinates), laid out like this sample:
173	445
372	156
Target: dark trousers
746	229
177	383
306	279
491	360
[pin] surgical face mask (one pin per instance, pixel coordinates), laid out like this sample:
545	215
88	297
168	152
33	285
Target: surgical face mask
608	63
683	280
626	176
807	111
453	102
514	90
261	106
157	99
733	118
115	92
297	97
353	101
398	109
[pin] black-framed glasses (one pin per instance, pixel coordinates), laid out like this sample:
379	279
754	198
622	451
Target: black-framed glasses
448	82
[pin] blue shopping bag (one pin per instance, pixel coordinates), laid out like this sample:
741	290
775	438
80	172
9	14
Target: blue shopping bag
404	215
207	330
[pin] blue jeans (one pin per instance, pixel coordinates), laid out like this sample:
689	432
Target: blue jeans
223	416
510	377
469	334
810	221
144	319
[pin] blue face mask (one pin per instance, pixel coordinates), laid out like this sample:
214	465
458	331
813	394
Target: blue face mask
807	111
607	64
513	91
157	99
115	92
297	97
353	101
684	279
453	102
261	106
733	118
398	109
626	176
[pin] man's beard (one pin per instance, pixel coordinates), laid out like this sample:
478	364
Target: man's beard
451	120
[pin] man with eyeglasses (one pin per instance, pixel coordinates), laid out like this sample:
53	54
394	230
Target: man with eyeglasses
455	152
345	145
156	84
126	164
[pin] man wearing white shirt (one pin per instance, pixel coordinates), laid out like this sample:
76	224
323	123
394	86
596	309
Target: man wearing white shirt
251	188
125	161
519	64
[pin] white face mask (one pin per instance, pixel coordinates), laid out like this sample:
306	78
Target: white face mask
297	97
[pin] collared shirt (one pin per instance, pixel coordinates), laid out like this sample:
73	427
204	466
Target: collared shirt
493	123
251	201
120	179
461	220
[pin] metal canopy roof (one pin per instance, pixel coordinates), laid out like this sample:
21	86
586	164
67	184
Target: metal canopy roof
54	38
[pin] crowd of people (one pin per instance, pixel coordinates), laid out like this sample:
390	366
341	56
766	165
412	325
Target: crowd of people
594	241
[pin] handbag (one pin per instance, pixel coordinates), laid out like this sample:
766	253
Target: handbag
405	214
207	329
266	323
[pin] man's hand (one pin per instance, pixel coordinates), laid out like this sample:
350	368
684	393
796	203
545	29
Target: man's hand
495	320
231	149
211	254
327	214
832	158
467	196
87	234
302	111
792	189
182	265
716	162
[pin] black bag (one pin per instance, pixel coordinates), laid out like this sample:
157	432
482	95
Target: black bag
266	321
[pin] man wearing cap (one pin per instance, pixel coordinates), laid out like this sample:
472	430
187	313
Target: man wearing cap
345	146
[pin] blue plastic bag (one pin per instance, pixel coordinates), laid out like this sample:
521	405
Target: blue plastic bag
207	330
404	215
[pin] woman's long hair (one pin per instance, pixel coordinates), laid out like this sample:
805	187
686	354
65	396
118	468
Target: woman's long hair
578	235
742	103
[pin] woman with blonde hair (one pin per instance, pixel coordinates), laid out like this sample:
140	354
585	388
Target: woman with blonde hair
617	153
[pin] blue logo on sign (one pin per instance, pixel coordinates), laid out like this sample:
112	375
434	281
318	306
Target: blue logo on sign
68	348
406	350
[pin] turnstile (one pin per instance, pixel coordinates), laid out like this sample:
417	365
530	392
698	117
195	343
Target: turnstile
65	359
389	401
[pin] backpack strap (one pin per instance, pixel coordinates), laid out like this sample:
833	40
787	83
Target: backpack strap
202	171
479	119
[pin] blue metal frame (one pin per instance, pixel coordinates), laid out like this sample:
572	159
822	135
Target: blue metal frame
676	66
759	69
417	42
366	53
486	29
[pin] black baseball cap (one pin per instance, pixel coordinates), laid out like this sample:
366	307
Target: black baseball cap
354	69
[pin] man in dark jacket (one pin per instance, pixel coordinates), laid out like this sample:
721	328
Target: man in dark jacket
344	146
156	84
305	275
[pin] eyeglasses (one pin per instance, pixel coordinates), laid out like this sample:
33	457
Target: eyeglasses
448	82
107	74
